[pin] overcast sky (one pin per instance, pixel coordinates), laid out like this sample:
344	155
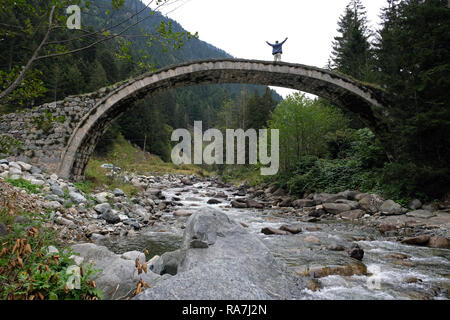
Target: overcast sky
241	27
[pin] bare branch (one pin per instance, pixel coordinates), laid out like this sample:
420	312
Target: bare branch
103	30
33	58
93	43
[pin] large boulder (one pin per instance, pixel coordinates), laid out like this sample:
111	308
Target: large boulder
301	203
251	203
415	204
352	215
336	208
219	260
418	240
118	276
390	207
77	197
103	197
422	214
371	203
439	242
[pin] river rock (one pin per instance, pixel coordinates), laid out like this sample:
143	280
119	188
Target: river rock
390	207
183	213
430	207
102	208
286	202
214	201
396	256
291	229
251	203
336	208
220	195
313	285
349	194
77	197
238	204
154	193
352	215
57	190
312	239
422	214
270	231
301	203
141	212
356	252
118	276
415	204
342	270
419	240
110	216
118	192
168	263
335	247
371	203
103	197
52	205
24	166
235	266
439	242
15	171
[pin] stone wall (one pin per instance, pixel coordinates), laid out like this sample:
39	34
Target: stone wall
44	131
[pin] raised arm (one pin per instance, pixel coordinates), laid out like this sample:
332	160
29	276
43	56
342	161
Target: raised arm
269	43
284	40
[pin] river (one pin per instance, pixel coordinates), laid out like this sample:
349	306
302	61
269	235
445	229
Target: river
395	271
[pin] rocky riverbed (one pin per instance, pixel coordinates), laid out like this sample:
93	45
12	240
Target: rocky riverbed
348	245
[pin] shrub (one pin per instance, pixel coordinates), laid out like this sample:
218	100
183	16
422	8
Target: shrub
28	272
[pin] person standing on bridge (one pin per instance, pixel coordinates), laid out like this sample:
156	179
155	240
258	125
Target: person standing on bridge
277	49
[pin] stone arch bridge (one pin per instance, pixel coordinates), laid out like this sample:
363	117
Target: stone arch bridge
61	136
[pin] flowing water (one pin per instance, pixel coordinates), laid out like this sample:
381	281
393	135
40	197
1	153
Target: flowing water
421	273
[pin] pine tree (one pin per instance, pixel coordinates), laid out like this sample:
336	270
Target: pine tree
98	77
351	48
413	59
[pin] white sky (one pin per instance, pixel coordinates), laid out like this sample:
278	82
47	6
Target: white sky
241	27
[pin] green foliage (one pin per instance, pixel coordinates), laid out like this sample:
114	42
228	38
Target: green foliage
411	181
24	184
46	121
29	272
7	143
330	176
85	186
304	125
32	86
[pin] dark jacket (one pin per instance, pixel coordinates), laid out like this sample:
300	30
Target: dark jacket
277	47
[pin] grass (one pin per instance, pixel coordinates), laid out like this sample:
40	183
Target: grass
238	174
131	159
24	184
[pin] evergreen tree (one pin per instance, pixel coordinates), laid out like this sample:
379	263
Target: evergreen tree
351	48
413	60
98	77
